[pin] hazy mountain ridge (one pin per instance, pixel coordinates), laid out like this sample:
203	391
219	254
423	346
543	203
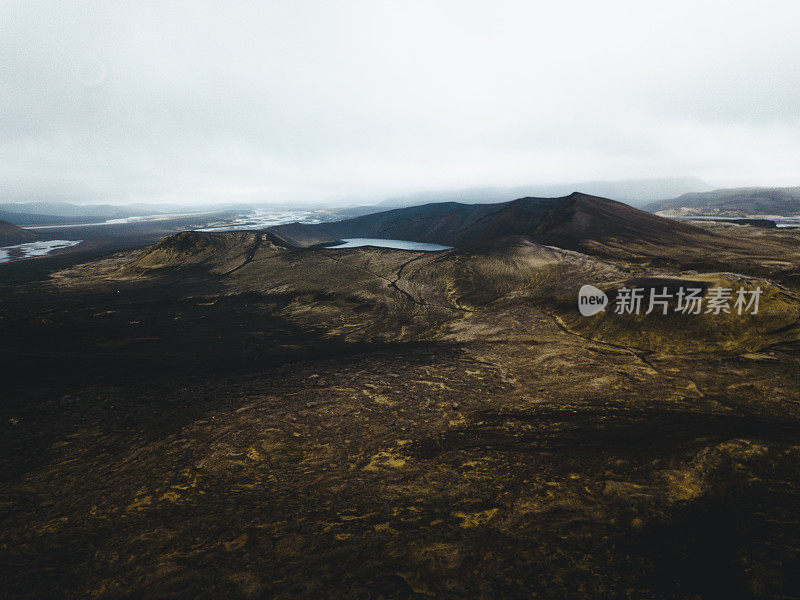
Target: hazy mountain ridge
636	192
733	202
65	209
33	219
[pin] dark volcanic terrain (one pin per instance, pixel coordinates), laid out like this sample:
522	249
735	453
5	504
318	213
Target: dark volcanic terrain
233	415
574	222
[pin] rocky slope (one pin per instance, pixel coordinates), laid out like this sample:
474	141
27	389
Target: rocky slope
11	235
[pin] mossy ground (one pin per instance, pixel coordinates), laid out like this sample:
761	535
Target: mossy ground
372	423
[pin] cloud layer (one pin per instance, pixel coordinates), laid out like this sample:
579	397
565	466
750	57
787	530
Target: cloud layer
306	100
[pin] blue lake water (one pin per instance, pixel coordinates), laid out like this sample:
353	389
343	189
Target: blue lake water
398	244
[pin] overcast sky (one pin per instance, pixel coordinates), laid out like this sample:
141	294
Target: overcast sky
257	101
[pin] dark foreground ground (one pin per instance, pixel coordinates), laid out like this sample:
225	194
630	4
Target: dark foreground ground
231	419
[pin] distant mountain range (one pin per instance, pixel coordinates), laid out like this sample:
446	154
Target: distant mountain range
62	213
734	202
75	211
669	197
636	192
33	219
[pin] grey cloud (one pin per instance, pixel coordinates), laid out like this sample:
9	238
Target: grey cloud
196	101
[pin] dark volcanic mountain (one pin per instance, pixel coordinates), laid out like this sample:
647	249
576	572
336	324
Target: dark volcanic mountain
573	222
735	202
11	235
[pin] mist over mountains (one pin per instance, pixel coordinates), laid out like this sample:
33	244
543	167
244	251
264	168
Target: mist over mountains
734	202
636	192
